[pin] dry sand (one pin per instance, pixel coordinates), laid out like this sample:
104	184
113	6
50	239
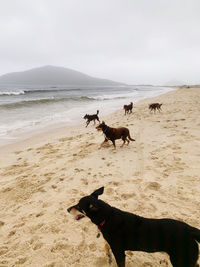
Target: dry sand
156	176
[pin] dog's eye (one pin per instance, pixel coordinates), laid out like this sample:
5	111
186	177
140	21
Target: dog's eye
92	207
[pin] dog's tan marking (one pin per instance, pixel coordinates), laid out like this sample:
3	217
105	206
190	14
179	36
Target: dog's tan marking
84	212
74	211
108	252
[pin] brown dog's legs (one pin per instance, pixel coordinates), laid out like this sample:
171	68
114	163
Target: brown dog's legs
124	138
105	140
113	141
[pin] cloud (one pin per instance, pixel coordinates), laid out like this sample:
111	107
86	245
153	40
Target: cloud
134	41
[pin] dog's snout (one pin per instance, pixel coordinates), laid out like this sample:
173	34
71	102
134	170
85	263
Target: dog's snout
69	209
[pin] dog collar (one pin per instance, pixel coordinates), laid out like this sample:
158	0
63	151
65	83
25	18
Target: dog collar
101	224
105	129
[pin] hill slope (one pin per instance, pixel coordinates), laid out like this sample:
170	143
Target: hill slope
51	75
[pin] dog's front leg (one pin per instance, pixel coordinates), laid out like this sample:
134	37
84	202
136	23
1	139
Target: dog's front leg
105	140
119	256
108	252
113	141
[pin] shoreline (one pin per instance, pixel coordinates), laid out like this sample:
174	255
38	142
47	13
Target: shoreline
50	131
76	119
157	176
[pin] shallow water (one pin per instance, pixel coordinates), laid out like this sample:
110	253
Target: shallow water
24	108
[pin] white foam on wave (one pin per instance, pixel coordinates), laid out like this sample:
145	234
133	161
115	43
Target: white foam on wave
114	96
21	92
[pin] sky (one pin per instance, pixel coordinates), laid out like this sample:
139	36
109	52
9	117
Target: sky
131	41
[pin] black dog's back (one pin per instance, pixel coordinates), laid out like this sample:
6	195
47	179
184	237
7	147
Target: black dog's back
152	235
90	118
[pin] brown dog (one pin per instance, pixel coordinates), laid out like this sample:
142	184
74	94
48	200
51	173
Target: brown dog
128	108
115	133
155	106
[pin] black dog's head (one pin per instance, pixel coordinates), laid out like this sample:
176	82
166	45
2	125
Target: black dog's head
101	126
90	206
86	116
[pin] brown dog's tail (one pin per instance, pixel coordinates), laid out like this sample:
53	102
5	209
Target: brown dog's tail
97	112
129	137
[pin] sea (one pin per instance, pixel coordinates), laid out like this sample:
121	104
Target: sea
24	109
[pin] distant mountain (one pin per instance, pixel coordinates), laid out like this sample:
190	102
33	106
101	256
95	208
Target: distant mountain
51	75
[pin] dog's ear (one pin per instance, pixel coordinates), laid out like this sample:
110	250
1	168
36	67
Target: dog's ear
98	192
103	122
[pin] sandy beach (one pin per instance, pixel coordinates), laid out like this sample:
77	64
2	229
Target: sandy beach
158	176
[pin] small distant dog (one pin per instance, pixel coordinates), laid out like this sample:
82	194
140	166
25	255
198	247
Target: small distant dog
90	118
155	106
115	133
126	231
128	108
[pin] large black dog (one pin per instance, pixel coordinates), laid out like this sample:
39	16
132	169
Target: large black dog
126	231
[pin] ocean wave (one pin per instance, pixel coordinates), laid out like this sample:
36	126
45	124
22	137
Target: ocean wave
51	90
41	91
108	97
52	100
21	92
36	102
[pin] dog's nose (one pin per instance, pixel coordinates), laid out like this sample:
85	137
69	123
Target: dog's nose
69	209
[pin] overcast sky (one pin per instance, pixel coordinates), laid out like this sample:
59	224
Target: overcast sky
132	41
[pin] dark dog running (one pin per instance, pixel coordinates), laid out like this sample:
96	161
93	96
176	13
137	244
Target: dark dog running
126	231
90	118
115	133
128	108
155	106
